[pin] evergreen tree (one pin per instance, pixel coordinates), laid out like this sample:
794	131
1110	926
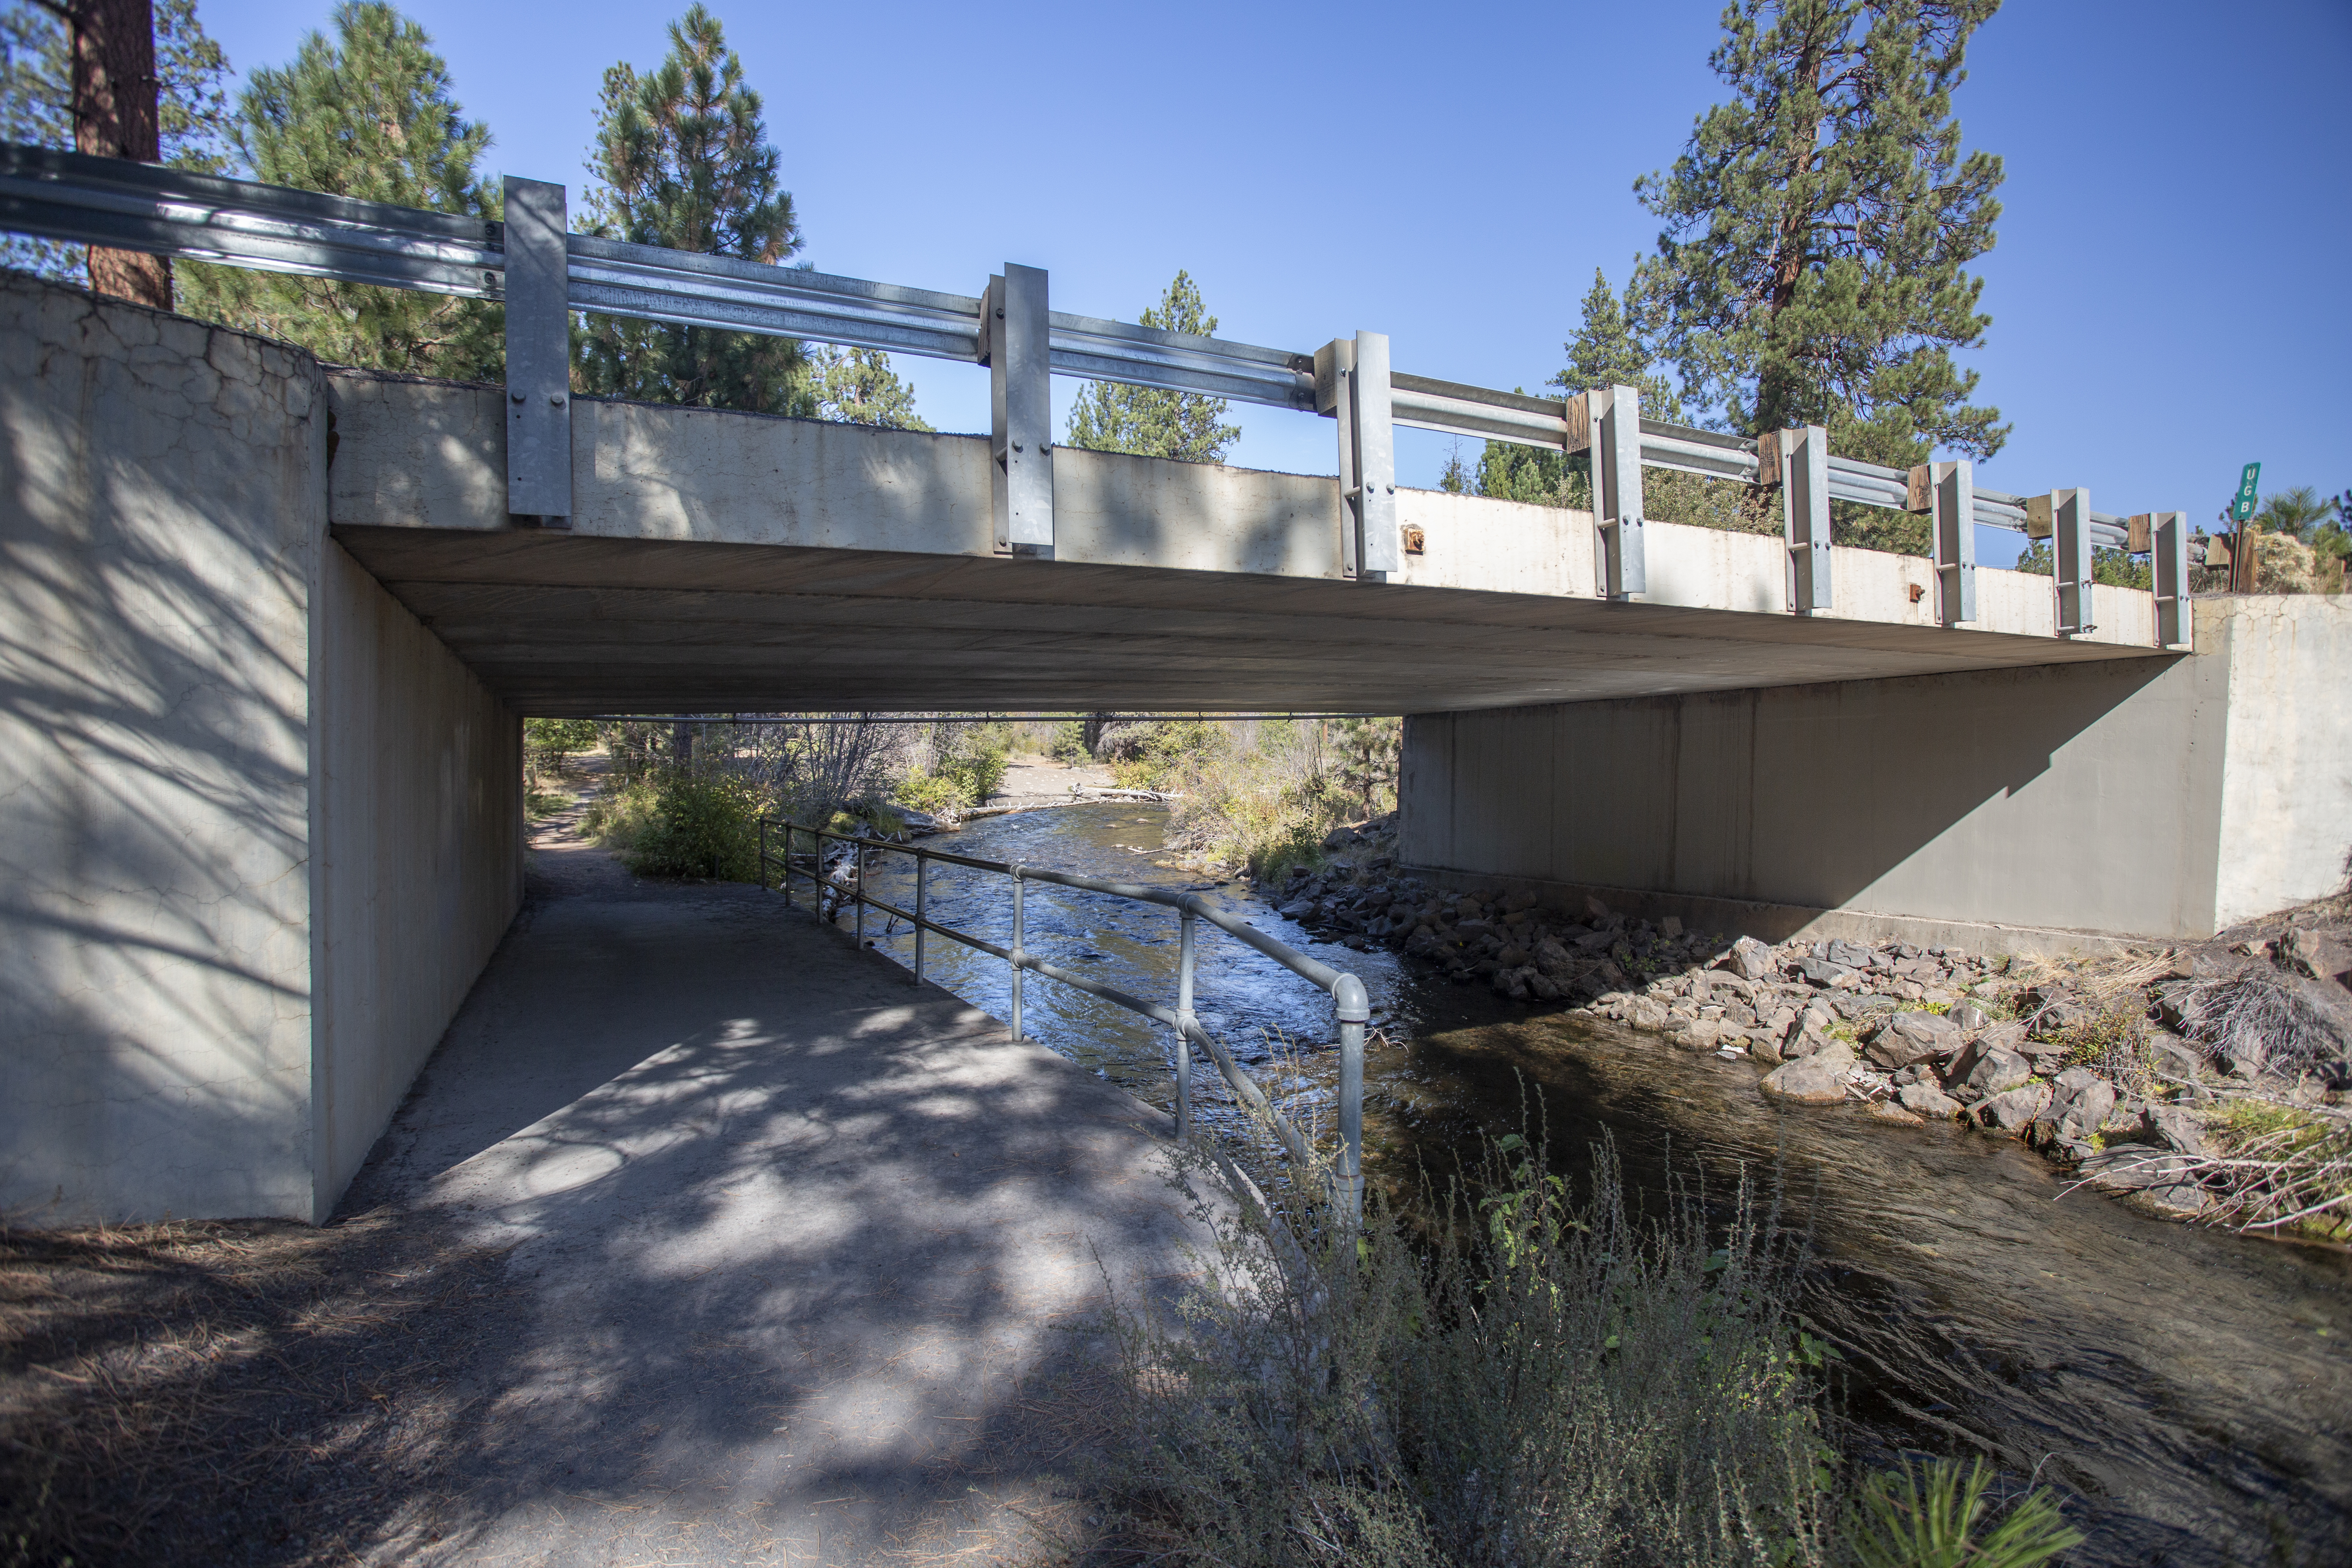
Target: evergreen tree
1817	229
858	386
1110	416
682	160
37	105
367	115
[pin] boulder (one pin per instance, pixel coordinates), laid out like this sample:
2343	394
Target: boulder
1851	954
2170	1057
1670	927
1812	1081
1907	1037
2014	1109
1823	973
1595	908
1646	1013
2079	1103
1984	1070
1765	1046
1751	960
1698	1034
2172	1128
2129	1167
1925	1099
1887	1110
1967	1015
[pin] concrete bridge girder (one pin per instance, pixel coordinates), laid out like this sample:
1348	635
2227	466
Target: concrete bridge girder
727	562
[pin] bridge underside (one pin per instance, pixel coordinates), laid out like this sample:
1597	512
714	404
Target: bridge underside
729	563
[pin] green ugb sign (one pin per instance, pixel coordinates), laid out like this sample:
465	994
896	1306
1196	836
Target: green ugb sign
2242	507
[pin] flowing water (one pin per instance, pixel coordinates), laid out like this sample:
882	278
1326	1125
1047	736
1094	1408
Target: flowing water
2193	1388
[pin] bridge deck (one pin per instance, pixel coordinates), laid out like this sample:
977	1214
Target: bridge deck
794	1245
727	562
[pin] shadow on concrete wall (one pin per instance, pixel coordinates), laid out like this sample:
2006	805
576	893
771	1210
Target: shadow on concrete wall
153	735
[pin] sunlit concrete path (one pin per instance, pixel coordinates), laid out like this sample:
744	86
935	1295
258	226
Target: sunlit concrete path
796	1250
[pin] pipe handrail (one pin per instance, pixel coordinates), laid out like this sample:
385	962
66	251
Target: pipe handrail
1349	1001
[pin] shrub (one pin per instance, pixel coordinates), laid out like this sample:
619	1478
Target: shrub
700	827
1523	1382
615	819
977	769
1069	742
1937	1518
931	794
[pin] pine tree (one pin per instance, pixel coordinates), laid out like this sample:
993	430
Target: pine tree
1817	229
37	105
682	160
368	115
1110	416
858	386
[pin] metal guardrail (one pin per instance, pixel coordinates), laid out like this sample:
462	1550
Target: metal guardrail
541	272
1350	1001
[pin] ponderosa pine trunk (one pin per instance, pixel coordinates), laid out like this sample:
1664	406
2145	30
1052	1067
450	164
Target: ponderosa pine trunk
117	115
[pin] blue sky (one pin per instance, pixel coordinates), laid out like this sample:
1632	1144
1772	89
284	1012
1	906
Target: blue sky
2171	295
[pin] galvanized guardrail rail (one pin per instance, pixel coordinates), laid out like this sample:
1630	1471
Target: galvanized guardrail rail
542	273
1344	1173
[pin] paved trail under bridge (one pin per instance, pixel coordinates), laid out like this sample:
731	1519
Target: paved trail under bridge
793	1249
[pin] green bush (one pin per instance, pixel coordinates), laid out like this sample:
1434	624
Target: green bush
978	771
616	819
700	827
931	793
547	742
1070	743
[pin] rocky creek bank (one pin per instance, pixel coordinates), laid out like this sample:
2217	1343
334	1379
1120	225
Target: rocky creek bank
2207	1082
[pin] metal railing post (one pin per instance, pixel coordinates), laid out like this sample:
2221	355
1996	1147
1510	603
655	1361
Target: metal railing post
1355	1011
1804	455
2169	548
1020	954
788	863
538	353
1185	1025
1947	493
923	865
763	853
858	863
1015	334
1614	422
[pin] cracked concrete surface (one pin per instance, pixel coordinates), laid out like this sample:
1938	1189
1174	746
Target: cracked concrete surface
796	1247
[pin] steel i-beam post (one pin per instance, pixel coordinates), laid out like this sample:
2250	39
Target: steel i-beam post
539	353
1804	453
1614	419
2069	516
1352	385
1014	326
2169	552
1947	492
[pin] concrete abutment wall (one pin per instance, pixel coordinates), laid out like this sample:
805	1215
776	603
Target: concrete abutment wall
2010	810
258	828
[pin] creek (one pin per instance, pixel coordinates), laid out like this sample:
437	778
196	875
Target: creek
2189	1388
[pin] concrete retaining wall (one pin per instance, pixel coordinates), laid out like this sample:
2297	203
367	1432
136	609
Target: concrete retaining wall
201	900
2009	809
418	865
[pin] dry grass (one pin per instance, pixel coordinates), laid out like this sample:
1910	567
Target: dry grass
228	1391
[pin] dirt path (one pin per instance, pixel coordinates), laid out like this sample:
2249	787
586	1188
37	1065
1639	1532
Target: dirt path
704	1238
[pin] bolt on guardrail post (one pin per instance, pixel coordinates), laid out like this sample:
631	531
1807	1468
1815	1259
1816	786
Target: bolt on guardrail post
1355	1011
538	353
1184	1024
1020	930
1614	423
922	864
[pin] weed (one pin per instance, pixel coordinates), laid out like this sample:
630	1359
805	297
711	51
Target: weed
1937	1516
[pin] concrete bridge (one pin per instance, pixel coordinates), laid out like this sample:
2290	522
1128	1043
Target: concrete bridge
268	630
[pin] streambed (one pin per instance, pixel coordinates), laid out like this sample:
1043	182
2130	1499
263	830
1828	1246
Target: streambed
2193	1388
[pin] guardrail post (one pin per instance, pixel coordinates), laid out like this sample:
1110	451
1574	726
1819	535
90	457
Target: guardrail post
1613	418
1019	952
2065	516
1947	492
1355	1011
788	863
857	866
2168	554
1352	386
1804	455
1185	1025
539	353
1014	325
922	912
